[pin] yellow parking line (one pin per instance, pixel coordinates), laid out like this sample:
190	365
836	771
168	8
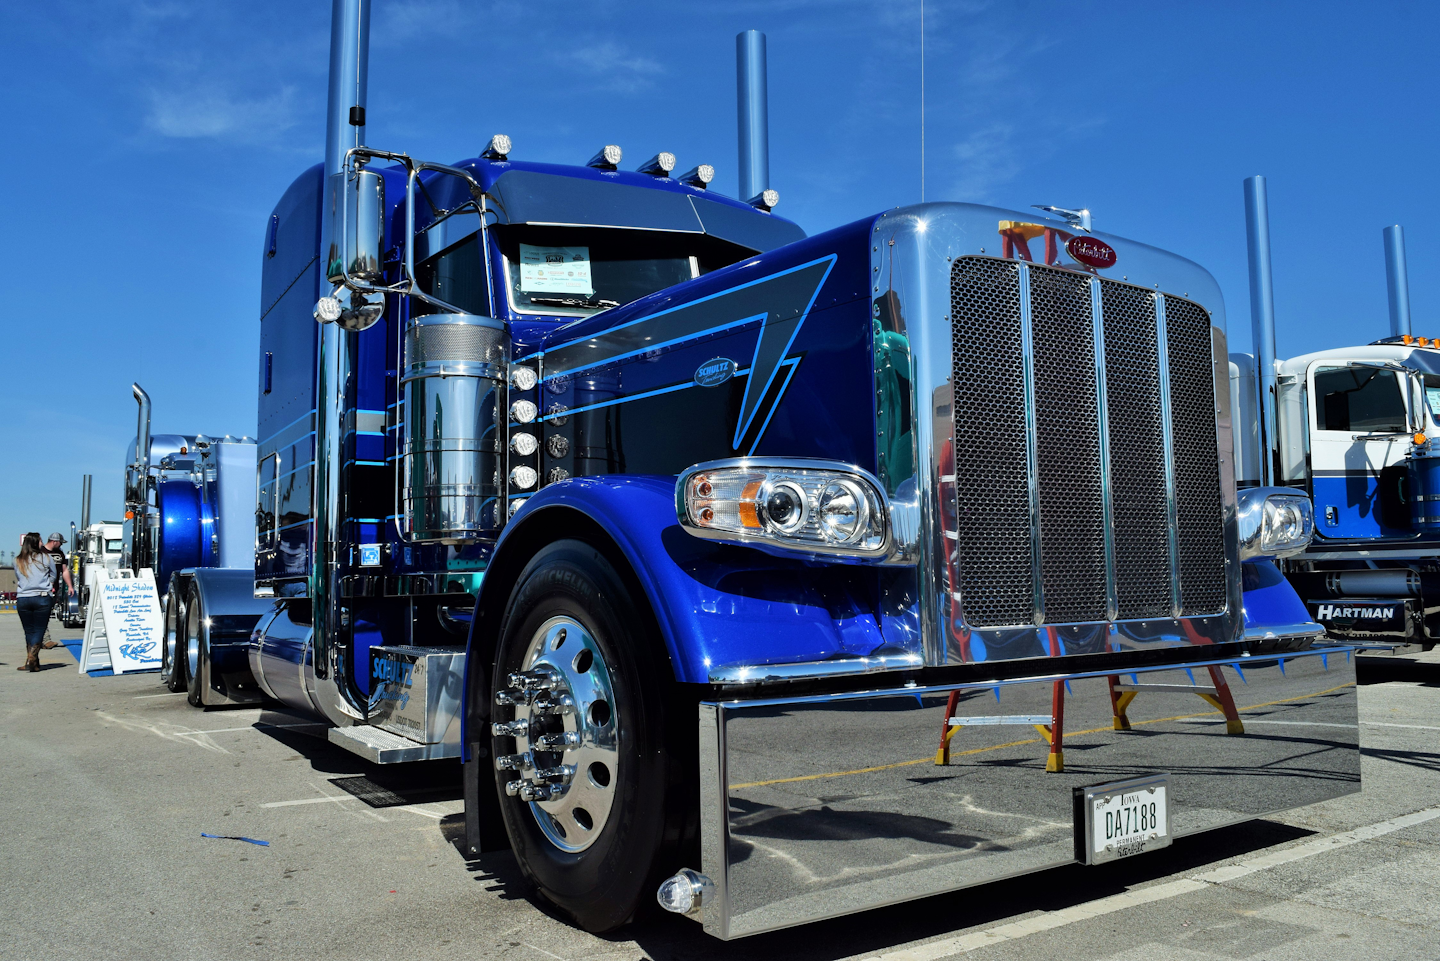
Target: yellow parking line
1033	740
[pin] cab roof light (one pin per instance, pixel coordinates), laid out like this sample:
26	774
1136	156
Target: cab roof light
698	176
607	158
498	148
1407	339
659	165
766	200
1422	341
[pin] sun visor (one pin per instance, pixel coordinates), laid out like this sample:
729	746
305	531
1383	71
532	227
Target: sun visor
747	228
527	197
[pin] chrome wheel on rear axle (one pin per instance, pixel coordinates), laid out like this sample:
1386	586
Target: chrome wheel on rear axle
565	733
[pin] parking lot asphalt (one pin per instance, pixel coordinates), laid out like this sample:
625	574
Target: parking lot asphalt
109	783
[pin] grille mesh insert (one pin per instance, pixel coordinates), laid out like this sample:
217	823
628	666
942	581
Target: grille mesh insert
1072	518
993	568
1137	451
1197	463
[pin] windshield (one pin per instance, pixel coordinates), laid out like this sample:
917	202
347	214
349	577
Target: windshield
1432	396
570	271
113	546
576	271
1359	399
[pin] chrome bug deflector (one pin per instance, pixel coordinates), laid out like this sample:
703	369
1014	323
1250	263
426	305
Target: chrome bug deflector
821	806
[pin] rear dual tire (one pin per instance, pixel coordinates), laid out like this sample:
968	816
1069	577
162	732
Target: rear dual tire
195	649
172	660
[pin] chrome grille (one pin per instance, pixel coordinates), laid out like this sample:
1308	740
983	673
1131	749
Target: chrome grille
1067	446
1062	442
993	566
1197	465
1137	451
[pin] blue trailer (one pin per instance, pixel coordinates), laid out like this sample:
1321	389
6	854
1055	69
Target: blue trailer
1358	429
189	518
759	574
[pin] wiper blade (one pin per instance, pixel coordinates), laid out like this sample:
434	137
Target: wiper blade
575	302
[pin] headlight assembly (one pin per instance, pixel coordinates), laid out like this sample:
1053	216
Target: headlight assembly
800	505
1274	522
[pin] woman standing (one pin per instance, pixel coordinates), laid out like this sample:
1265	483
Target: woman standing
35	580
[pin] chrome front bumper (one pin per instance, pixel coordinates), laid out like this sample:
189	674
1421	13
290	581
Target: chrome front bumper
822	806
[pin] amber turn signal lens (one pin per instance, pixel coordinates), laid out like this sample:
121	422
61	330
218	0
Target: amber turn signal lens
749	515
129	515
1420	438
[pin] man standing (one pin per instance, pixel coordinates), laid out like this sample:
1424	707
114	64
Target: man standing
52	546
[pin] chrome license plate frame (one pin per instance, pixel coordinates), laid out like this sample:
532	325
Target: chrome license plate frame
1139	819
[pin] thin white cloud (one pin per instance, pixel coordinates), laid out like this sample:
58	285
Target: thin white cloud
217	114
614	65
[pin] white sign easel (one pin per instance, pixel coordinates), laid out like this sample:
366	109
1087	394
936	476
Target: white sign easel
123	624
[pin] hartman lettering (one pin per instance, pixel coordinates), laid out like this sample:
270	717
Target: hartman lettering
1329	612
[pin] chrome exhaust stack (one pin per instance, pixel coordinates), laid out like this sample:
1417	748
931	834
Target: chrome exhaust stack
1262	319
344	131
1397	280
754	120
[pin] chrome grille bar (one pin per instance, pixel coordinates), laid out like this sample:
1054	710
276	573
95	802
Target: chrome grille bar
1032	458
1172	520
1097	323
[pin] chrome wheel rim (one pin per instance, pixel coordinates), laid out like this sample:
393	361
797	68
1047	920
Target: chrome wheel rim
192	643
563	649
171	639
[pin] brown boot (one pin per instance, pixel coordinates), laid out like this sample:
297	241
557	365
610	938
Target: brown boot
25	663
32	663
50	645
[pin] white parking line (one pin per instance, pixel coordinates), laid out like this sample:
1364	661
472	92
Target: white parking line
1413	727
308	800
141	697
1129	899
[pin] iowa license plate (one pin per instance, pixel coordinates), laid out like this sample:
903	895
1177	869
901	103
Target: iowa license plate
1122	818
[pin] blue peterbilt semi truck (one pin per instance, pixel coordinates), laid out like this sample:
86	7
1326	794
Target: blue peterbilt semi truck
189	506
1357	429
763	574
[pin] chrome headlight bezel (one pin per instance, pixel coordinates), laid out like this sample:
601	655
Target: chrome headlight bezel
1274	521
743	517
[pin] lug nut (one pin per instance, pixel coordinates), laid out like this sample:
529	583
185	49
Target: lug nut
509	697
532	680
562	774
557	742
518	728
554	705
514	762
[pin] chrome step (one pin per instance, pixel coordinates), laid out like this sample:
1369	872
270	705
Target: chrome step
382	747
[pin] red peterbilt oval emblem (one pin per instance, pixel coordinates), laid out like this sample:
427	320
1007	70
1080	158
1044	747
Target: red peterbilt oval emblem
1091	252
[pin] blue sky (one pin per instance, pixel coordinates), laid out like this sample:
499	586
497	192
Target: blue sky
149	141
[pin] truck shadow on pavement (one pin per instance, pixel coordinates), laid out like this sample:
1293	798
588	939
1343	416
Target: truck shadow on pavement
1381	670
664	937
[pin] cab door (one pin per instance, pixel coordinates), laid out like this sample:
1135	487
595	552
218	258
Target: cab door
1360	430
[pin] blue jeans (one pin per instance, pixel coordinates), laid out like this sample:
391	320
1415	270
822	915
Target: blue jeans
34	615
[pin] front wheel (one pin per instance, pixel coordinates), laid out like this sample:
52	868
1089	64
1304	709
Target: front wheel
592	778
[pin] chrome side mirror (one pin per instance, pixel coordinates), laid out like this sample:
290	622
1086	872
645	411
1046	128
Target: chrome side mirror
357	227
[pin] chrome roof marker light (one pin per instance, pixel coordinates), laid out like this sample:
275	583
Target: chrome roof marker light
606	158
659	165
498	148
698	176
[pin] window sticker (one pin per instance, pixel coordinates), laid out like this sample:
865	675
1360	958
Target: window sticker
1432	397
555	270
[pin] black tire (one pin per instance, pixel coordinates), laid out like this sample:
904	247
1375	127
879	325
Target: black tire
172	662
196	649
604	885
